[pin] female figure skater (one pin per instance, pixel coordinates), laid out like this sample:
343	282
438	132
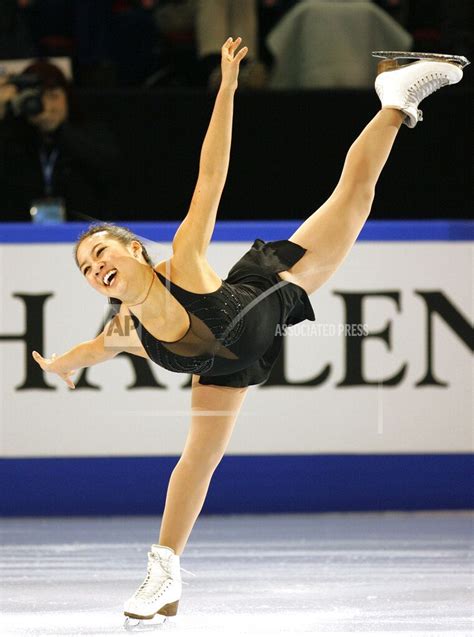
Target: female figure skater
187	319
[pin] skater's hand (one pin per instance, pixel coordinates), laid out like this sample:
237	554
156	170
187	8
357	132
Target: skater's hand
7	92
231	60
53	366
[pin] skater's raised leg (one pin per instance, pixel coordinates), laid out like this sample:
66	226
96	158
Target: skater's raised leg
330	232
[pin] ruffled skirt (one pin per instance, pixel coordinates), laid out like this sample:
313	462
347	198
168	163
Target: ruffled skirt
260	267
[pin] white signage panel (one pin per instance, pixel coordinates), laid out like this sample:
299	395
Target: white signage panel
406	387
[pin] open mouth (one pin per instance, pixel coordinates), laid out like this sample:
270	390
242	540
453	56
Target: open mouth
109	278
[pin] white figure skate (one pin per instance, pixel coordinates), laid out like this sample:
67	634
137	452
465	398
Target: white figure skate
160	592
404	87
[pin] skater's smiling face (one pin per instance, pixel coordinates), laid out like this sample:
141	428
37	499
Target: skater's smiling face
112	266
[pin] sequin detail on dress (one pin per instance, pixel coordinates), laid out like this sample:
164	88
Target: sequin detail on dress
225	322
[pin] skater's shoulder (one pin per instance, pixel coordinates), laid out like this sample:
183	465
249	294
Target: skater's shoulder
193	273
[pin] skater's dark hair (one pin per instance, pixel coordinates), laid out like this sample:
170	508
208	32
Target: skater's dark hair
119	233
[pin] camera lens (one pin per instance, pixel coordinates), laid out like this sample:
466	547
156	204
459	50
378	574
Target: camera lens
31	104
28	102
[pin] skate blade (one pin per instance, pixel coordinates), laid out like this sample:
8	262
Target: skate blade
460	60
132	624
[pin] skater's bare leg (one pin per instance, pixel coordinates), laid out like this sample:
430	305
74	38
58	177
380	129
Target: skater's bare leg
215	410
329	233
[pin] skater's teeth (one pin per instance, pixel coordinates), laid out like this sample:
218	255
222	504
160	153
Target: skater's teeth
108	276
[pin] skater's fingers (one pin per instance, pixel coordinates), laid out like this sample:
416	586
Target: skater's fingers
241	54
39	359
234	45
226	45
66	378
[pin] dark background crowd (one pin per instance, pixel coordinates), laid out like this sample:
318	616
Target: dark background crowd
122	140
153	42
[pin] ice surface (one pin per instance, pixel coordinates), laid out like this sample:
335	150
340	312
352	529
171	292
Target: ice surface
375	574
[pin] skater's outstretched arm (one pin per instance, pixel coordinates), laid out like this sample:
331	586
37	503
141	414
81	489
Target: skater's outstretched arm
93	352
194	234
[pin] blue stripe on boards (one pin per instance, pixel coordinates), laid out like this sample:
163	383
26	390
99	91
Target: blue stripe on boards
246	231
241	484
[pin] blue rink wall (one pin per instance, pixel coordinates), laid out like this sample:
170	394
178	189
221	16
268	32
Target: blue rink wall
244	482
241	484
439	230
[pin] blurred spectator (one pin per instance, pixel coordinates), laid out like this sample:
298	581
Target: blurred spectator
186	28
47	150
156	42
15	38
328	44
216	20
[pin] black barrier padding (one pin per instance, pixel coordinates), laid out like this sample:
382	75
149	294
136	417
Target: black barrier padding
288	151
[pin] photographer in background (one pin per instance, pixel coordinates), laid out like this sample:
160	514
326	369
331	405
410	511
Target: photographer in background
53	164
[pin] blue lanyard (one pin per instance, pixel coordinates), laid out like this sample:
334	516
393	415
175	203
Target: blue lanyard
47	166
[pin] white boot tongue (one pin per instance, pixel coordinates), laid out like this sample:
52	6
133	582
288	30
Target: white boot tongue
161	550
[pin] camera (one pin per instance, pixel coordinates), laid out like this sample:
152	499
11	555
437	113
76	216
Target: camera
28	101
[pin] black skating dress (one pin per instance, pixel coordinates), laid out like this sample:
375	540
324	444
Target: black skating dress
233	337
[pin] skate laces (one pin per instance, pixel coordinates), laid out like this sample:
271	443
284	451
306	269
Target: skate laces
426	85
157	574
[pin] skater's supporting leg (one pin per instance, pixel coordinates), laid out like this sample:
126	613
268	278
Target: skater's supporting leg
214	413
329	233
215	410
